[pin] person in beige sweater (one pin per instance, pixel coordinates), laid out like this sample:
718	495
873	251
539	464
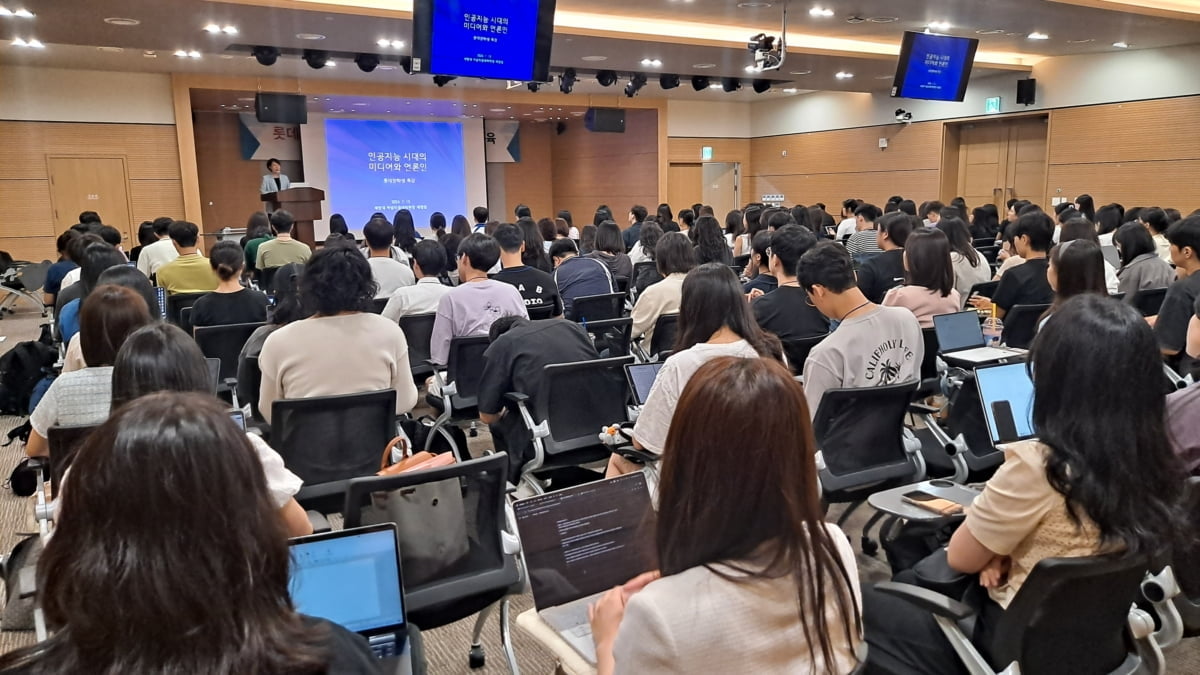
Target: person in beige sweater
727	598
674	258
343	348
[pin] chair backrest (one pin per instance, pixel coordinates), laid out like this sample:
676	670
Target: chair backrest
741	260
797	350
418	330
929	364
638	267
465	368
589	308
1149	301
986	241
378	304
1187	562
987	289
249	389
540	313
614	336
177	303
666	328
580	398
33	275
64	442
1070	616
449	522
859	432
1021	324
989	253
225	343
621	284
267	279
330	438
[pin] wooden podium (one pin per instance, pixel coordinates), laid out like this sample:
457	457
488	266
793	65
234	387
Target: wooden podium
304	203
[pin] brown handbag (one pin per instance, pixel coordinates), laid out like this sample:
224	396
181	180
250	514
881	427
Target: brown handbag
420	460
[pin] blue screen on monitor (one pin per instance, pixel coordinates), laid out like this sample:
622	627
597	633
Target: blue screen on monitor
353	581
495	39
387	165
934	67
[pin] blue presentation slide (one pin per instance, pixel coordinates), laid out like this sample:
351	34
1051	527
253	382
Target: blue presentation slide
484	38
935	67
385	166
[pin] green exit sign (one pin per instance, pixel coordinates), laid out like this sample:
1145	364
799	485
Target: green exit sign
706	152
991	105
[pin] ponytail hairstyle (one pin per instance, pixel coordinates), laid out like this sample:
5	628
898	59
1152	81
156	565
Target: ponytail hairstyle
227	260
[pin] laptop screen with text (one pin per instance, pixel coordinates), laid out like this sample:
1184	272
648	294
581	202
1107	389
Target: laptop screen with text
352	580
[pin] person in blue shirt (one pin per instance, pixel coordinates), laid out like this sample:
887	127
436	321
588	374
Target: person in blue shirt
577	276
54	275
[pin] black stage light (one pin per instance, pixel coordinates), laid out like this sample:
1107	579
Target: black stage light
668	81
533	86
265	55
442	80
316	58
700	83
761	86
730	84
606	78
636	82
567	81
406	64
366	62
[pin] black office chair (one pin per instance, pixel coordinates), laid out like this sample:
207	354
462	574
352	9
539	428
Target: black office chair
930	382
613	337
459	511
638	271
459	385
540	313
797	350
865	447
578	400
378	304
987	241
266	279
225	344
989	253
1149	301
666	329
249	386
987	289
602	307
327	440
740	261
622	285
177	303
418	330
1021	325
64	442
1072	615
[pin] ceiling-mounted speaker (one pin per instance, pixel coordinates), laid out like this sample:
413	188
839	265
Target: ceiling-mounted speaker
1027	91
560	128
281	108
610	120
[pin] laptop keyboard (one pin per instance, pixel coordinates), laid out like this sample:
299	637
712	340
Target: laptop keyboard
384	646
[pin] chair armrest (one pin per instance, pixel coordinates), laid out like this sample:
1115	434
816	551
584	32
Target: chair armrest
922	409
1161	590
934	603
538	429
633	454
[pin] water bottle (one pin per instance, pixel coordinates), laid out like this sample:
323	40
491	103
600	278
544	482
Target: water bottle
993	328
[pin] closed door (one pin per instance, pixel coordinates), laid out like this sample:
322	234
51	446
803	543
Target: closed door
97	184
721	187
685	185
1002	160
1027	160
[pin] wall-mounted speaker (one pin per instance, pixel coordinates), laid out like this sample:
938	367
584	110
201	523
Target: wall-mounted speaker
281	108
1027	91
609	120
560	128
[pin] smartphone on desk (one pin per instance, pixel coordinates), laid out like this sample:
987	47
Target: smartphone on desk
938	505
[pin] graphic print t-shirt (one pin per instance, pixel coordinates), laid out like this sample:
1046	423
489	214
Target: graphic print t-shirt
537	288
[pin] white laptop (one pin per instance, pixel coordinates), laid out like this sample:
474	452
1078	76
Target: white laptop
580	542
960	338
1006	393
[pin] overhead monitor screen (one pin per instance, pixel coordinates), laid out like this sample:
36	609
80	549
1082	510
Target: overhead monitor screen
934	67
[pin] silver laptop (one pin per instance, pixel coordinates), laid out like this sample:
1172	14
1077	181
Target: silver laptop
960	338
352	578
580	542
641	378
1006	393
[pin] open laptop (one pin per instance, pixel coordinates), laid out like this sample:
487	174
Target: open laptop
580	542
960	338
1006	393
641	378
352	578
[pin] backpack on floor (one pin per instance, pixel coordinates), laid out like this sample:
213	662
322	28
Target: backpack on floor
20	370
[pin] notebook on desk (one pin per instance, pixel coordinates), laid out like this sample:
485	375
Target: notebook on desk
352	578
960	338
1006	393
580	542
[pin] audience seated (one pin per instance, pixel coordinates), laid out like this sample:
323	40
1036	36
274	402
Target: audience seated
759	268
258	230
610	250
82	397
578	276
1101	478
390	274
752	224
428	264
674	260
283	249
190	271
970	267
520	350
159	253
343	348
1177	310
97	257
145	237
76	250
646	275
886	270
118	275
1025	284
1156	223
737	591
1141	268
107	234
537	288
928	288
643	250
985	222
871	345
710	242
786	311
863	240
1108	218
1076	267
192	575
230	302
287	309
64	264
1183	425
1007	256
734	228
471	307
631	235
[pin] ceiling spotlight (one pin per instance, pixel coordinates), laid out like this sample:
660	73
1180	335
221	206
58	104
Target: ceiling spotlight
762	86
938	25
330	63
651	63
443	80
730	84
822	12
1121	45
266	56
193	54
533	86
668	81
700	83
1038	36
791	90
636	82
316	58
843	75
714	86
21	13
606	78
567	81
384	42
367	62
212	28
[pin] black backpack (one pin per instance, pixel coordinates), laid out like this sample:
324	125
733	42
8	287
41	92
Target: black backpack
20	370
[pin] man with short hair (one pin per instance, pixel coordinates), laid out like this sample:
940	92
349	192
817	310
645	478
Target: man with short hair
706	210
779	219
885	271
515	362
577	276
190	272
933	213
428	262
864	240
90	217
390	274
1178	307
764	281
161	252
1156	223
471	307
1032	236
631	235
687	218
481	218
110	235
523	211
847	226
786	311
283	249
537	288
873	345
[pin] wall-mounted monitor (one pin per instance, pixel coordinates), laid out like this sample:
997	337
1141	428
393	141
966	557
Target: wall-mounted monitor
494	39
934	67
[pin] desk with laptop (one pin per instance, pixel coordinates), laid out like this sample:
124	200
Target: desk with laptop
961	342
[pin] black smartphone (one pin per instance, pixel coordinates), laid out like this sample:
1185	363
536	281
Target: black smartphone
1006	425
238	418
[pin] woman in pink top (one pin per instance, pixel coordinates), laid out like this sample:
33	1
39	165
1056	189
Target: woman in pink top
928	288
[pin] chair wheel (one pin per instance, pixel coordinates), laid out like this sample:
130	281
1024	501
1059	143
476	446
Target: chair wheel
869	546
476	659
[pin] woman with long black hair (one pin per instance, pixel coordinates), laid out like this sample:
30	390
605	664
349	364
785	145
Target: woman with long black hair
710	242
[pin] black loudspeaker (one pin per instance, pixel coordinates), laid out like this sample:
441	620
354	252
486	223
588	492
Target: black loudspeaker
281	108
611	120
1026	91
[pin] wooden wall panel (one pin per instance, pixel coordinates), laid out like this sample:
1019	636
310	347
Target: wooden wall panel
688	150
1164	129
530	181
619	170
1170	183
228	183
25	209
916	146
154	199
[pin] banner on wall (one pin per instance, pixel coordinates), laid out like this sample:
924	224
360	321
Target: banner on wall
261	140
502	140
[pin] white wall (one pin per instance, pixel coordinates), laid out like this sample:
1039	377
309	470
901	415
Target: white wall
1063	81
58	95
708	119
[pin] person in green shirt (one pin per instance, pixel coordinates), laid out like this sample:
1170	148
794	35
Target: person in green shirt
191	271
283	249
258	230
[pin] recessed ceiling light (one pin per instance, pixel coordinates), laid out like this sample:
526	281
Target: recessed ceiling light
316	98
21	13
578	113
359	105
212	28
994	31
328	99
801	72
704	66
754	5
651	63
150	54
843	75
227	56
820	12
883	19
714	86
309	36
32	43
593	58
215	29
1121	45
885	77
387	67
249	99
938	25
330	63
1081	42
497	109
121	21
235	107
111	50
790	90
1038	36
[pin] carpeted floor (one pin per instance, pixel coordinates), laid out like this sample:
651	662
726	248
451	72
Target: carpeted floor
446	647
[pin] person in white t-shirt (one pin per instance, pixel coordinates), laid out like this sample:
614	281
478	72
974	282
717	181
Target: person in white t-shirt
388	273
161	252
849	223
428	263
